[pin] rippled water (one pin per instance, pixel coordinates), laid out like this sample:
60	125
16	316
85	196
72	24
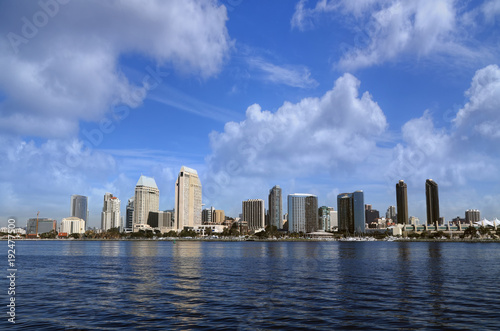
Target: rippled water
256	285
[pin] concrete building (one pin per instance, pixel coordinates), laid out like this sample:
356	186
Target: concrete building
72	225
472	215
371	215
351	212
110	216
254	214
432	202
391	213
44	225
188	199
80	207
207	215
129	218
219	216
146	199
334	220
275	213
302	213
324	218
402	202
161	220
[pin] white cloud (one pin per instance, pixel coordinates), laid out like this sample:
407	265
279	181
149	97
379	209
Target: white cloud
315	135
388	30
294	76
67	68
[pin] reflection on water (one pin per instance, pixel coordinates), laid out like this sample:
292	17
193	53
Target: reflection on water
257	285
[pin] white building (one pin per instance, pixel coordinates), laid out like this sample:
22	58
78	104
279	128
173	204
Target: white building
334	220
146	199
71	225
187	199
302	213
110	216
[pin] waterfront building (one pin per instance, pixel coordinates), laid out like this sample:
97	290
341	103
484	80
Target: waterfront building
402	202
72	225
161	220
275	207
351	212
391	213
207	215
79	207
371	215
188	199
44	225
472	215
129	218
253	213
302	213
432	202
146	199
110	216
324	218
219	216
414	220
334	221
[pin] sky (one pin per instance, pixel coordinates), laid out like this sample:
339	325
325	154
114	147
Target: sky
319	97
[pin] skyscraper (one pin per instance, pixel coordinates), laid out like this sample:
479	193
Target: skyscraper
146	199
129	219
351	212
275	207
402	202
79	207
302	213
324	218
110	216
391	213
187	199
253	213
472	215
432	201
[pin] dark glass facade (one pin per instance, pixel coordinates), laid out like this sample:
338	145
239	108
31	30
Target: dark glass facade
402	202
432	201
351	212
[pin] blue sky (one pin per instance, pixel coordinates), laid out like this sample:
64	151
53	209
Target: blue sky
319	97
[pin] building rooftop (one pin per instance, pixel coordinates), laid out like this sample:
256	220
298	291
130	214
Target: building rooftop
189	170
146	181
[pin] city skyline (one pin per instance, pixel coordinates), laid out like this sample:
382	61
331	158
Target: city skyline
326	97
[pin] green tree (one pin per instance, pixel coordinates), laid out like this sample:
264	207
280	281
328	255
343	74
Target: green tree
470	231
75	235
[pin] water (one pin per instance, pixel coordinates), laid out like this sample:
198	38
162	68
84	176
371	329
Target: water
255	285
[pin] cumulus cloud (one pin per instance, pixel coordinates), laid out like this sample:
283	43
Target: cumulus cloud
61	63
390	29
323	134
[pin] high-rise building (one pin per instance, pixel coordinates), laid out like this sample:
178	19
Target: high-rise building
187	199
146	199
472	215
219	216
302	213
351	212
391	213
324	218
402	202
432	201
334	220
72	225
44	225
275	206
207	215
129	221
253	213
79	207
110	216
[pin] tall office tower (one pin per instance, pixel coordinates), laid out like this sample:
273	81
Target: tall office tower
253	213
402	202
302	213
80	207
351	212
391	213
472	215
187	199
219	216
110	216
324	218
146	199
432	201
334	220
129	221
275	206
